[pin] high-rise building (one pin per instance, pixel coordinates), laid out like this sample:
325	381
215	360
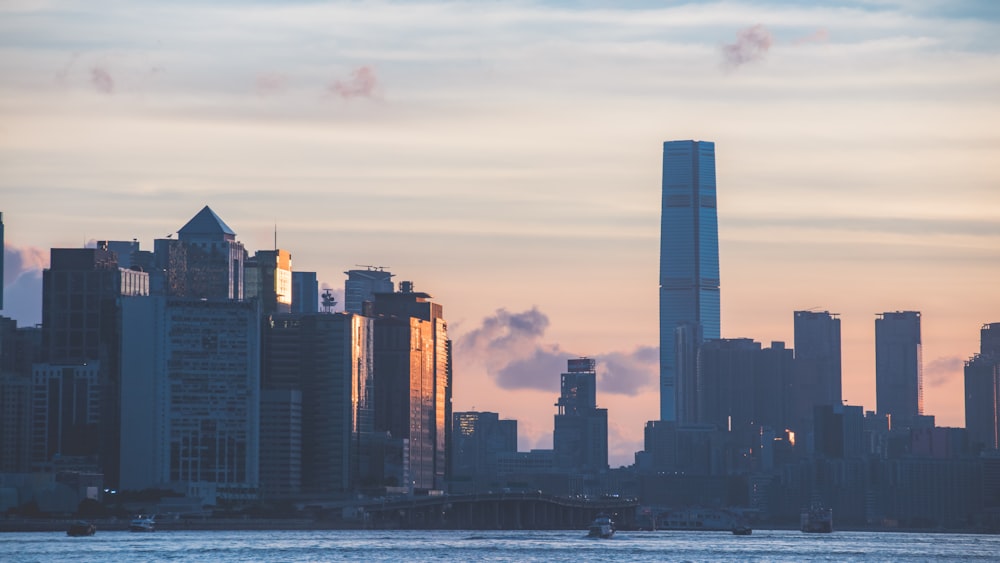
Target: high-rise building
479	438
81	295
982	391
689	256
898	367
362	285
727	370
1	260
413	381
268	278
817	365
191	395
204	262
305	292
326	359
580	437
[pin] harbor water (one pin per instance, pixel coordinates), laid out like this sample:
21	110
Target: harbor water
548	546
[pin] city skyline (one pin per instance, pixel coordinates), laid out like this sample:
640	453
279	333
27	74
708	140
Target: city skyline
512	172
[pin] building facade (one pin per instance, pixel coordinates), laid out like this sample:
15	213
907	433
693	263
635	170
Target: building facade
817	364
81	301
191	395
204	262
580	436
982	391
689	256
898	367
327	360
362	285
413	381
268	278
305	292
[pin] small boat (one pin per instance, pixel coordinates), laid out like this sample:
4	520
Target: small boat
816	520
142	524
742	530
602	527
81	528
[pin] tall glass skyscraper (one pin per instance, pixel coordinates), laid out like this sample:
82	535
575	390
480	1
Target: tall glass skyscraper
689	256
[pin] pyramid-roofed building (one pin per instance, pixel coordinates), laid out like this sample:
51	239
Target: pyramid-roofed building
206	224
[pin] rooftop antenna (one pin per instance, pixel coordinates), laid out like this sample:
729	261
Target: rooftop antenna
275	234
328	301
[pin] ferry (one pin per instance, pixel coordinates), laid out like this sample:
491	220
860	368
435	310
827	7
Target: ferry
602	527
142	524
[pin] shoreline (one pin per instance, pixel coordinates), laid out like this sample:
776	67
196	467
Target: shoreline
306	524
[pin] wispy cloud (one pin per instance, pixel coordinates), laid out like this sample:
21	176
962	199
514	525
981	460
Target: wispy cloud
269	84
821	35
361	84
943	370
751	45
101	79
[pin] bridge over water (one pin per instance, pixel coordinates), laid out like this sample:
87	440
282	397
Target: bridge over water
496	511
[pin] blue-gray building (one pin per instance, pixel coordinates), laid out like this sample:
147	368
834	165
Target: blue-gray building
898	370
689	256
305	292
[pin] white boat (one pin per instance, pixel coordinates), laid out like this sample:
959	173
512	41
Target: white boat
602	527
142	523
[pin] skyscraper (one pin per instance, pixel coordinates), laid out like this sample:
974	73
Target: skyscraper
817	365
898	371
305	292
206	262
362	285
190	393
580	438
982	391
689	256
1	260
268	278
412	362
81	327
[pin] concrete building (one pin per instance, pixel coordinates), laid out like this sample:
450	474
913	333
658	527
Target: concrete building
81	295
580	437
478	438
191	396
982	391
268	278
305	292
817	364
689	256
898	368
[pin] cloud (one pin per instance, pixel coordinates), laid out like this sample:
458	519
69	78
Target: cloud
751	45
102	81
627	373
512	349
270	84
942	370
821	35
22	283
19	260
362	84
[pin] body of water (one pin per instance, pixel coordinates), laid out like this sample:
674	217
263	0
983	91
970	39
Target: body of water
547	546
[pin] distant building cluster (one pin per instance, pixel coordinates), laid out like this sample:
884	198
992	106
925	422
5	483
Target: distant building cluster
227	377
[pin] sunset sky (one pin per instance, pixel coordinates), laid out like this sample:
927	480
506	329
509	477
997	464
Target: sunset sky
505	157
